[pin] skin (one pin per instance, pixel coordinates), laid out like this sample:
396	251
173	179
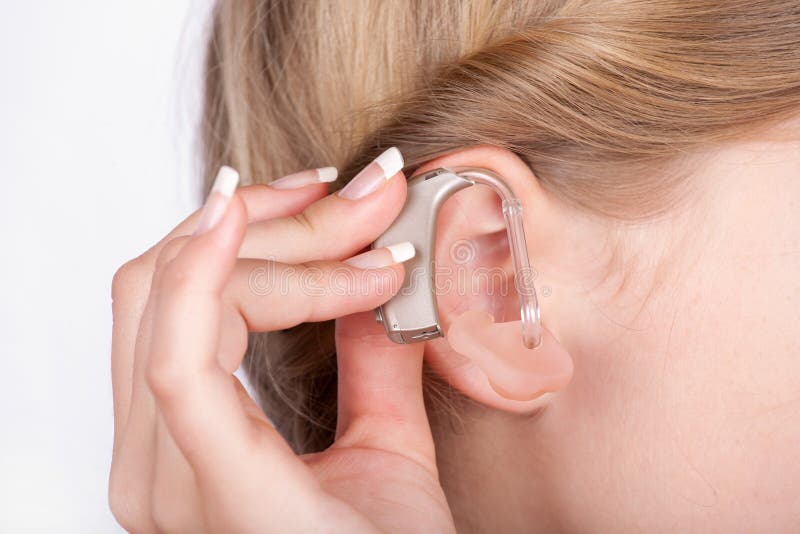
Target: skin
682	413
192	452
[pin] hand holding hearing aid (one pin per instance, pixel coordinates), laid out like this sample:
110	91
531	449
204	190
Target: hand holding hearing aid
192	452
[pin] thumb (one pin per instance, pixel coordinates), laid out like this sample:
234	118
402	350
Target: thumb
380	391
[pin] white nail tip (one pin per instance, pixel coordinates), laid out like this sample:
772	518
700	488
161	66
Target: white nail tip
391	161
402	251
226	181
327	174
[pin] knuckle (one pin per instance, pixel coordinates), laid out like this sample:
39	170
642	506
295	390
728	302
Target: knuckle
128	279
309	292
173	278
176	277
305	222
163	375
170	250
178	280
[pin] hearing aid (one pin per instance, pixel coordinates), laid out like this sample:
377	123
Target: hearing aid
412	316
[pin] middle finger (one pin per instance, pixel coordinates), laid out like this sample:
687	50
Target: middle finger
338	225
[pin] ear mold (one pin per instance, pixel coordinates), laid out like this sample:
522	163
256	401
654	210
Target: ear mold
497	349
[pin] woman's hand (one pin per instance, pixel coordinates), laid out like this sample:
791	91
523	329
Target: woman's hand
192	452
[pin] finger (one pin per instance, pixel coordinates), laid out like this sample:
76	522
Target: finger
131	284
263	202
175	504
134	476
266	296
339	225
196	396
274	296
380	402
132	483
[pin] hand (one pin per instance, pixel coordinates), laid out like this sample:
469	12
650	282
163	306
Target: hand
192	452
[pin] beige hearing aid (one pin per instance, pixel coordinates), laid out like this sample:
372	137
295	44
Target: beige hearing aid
411	315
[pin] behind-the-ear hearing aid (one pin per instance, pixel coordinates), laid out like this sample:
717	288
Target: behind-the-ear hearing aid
411	315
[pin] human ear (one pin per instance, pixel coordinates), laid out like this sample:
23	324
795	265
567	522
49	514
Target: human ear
482	354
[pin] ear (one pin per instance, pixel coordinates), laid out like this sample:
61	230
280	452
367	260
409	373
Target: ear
474	272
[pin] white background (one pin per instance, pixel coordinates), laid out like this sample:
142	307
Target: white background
98	109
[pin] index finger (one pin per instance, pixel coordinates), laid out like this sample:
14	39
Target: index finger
338	225
131	283
198	399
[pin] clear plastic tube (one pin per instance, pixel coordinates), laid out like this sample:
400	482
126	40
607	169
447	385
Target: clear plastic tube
523	272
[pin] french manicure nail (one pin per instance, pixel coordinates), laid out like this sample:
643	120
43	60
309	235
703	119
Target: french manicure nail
307	177
373	175
218	199
383	257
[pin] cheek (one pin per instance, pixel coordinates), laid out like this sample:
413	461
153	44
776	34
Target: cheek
694	416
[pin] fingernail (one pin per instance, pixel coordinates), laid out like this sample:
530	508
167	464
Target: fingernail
308	177
218	199
383	257
373	175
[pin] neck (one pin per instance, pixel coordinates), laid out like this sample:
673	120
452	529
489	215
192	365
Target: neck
493	475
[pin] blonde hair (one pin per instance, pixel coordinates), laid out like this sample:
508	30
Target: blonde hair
601	98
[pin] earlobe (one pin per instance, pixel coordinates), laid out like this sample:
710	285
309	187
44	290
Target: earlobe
514	371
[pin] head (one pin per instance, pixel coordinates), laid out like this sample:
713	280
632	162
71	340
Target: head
656	148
